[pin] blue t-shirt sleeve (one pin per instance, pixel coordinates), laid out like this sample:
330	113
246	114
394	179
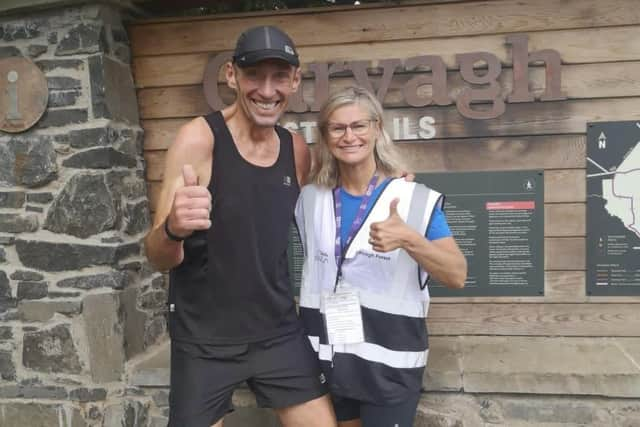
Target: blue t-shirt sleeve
438	228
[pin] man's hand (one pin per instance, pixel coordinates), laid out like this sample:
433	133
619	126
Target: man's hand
191	206
408	176
390	234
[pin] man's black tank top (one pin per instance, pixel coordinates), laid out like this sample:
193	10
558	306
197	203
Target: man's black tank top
233	286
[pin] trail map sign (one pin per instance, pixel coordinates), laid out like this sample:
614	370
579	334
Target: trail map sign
613	208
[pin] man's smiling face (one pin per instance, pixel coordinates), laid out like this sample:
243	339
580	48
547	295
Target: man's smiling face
263	89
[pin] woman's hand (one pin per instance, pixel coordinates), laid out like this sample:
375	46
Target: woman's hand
441	258
390	234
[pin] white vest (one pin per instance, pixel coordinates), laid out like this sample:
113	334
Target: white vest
391	282
388	282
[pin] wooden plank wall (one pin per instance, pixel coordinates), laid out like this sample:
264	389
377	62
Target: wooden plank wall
599	43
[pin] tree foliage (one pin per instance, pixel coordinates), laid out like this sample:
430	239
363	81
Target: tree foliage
206	7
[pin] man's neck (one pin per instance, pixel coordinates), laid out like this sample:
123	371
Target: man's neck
258	145
246	132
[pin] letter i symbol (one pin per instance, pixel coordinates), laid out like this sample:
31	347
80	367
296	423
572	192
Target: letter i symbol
12	91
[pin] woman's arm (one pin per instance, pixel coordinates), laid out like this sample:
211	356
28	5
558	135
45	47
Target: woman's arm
441	258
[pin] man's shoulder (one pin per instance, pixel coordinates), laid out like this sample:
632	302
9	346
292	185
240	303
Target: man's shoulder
195	135
296	139
301	157
402	184
400	187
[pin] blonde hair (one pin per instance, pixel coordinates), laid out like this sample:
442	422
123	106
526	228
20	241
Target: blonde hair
325	170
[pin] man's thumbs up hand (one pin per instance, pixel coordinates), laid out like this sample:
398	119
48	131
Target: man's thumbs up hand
191	207
390	234
189	176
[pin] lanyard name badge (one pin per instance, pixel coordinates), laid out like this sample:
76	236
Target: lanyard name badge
342	311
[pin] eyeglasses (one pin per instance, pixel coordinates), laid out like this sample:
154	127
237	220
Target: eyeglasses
358	128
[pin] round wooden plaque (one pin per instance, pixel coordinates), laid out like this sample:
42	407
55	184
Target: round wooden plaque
23	94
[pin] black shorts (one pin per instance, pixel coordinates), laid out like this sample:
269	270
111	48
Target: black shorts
281	372
370	415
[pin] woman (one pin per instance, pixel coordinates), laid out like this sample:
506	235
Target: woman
364	298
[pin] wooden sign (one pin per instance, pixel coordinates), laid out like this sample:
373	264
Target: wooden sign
23	94
481	98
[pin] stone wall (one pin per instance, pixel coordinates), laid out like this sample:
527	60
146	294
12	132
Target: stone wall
77	298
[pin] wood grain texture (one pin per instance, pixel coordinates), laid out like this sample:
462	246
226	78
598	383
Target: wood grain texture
565	186
508	153
390	23
564	253
588	320
159	134
539	118
578	82
585	46
565	220
568	286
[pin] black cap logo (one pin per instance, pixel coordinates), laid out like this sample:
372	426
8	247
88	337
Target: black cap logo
265	42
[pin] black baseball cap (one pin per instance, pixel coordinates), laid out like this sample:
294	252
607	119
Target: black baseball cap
265	42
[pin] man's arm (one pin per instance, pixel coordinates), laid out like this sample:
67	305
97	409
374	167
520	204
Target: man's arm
183	203
302	157
442	258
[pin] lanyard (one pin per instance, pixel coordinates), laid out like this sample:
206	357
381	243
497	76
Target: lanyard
357	222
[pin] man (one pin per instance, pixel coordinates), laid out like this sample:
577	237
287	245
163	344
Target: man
231	182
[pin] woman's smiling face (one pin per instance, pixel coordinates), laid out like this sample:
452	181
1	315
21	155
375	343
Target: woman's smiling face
351	134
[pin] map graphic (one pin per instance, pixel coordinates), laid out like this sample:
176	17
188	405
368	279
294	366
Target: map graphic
613	208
